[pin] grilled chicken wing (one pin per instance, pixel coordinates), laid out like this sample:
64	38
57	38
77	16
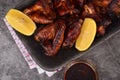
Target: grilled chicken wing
40	18
98	10
101	26
114	8
64	7
90	11
102	3
45	33
41	12
73	30
79	4
51	37
102	6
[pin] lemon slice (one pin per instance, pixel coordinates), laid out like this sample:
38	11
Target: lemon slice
87	35
20	22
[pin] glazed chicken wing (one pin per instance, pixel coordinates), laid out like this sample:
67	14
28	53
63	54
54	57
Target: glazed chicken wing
41	12
114	8
72	32
101	26
102	6
40	18
102	3
64	7
45	33
98	10
79	4
51	37
90	11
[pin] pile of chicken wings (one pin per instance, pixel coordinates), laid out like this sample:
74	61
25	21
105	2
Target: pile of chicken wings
62	20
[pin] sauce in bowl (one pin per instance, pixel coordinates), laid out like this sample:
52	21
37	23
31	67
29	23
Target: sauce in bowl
80	70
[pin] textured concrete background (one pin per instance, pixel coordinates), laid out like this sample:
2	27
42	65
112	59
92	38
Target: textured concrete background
106	56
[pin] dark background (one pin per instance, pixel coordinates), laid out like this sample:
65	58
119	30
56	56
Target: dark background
105	55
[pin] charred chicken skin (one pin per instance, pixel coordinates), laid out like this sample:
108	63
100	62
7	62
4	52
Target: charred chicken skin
51	37
64	7
63	20
73	25
114	8
98	10
41	12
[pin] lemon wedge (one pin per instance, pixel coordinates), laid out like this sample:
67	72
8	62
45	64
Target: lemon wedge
87	35
20	22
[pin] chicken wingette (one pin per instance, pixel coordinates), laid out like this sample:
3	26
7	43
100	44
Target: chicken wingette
41	12
51	37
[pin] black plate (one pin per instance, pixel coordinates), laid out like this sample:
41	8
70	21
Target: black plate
65	55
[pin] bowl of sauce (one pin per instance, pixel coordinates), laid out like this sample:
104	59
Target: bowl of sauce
80	70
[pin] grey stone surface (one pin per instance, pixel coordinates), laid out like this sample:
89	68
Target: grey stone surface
106	56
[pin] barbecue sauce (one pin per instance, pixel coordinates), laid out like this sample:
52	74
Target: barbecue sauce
80	71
